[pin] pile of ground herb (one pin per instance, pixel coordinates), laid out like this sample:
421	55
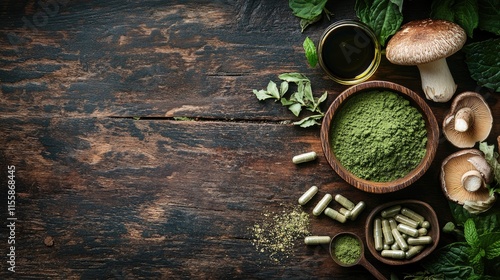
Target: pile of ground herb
379	136
347	249
276	234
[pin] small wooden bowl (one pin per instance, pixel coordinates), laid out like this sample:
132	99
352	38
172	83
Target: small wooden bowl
371	186
419	207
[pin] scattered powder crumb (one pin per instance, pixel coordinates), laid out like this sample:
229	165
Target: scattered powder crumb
48	241
276	234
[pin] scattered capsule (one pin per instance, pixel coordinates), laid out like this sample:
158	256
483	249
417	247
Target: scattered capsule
334	214
391	211
393	223
412	215
360	206
393	254
386	230
413	232
344	202
400	240
405	220
304	157
317	240
377	234
426	224
345	212
422	240
422	231
322	204
308	195
413	251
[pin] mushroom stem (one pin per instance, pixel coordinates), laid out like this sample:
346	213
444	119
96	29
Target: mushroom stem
437	82
463	118
472	180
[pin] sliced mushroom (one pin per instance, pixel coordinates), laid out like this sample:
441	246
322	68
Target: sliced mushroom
427	43
469	120
461	181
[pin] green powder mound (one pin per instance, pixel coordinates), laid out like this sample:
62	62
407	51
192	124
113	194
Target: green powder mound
347	249
379	136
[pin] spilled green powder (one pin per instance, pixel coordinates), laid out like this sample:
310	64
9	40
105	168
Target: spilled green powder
347	249
379	136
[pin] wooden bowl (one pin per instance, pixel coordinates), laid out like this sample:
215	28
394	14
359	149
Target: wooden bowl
372	186
417	206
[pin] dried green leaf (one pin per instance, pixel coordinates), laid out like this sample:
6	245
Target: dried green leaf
272	89
262	94
296	108
283	88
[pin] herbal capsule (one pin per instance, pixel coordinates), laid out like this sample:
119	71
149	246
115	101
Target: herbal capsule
391	211
412	215
400	240
422	231
413	251
304	157
335	215
345	212
387	246
322	204
393	223
344	202
413	232
422	240
426	224
357	209
317	240
377	234
405	220
386	230
395	246
393	254
308	195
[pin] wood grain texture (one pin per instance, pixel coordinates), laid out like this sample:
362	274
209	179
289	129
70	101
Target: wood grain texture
141	151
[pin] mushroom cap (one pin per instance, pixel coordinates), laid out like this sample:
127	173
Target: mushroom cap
423	41
452	169
482	120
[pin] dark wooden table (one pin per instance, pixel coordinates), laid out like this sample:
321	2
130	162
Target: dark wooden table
141	152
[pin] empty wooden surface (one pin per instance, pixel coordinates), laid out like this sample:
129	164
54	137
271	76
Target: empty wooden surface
141	152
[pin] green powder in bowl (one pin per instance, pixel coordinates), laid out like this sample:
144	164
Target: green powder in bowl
347	249
379	136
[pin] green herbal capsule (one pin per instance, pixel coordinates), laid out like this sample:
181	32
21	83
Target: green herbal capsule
377	234
400	240
422	231
322	204
393	223
413	232
386	230
308	195
344	202
412	215
357	209
335	215
304	157
345	212
393	254
422	240
387	246
395	246
391	211
317	240
405	220
413	251
426	224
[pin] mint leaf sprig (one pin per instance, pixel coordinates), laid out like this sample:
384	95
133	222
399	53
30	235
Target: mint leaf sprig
301	99
309	11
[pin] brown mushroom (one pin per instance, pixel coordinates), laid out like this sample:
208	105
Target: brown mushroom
461	181
427	43
469	120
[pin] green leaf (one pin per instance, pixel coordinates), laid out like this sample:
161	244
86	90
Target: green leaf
489	14
308	94
463	12
470	233
296	108
492	158
286	102
309	121
383	16
451	260
283	88
493	248
262	94
293	77
483	62
304	23
307	9
310	51
272	89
